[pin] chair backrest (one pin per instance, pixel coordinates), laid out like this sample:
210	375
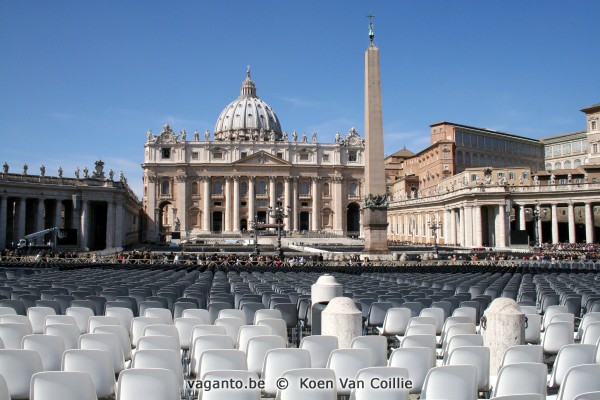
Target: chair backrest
521	378
107	342
97	363
167	359
101	320
346	363
296	391
588	396
569	356
122	335
477	356
373	376
12	333
163	314
319	347
376	344
17	367
278	326
578	380
207	342
63	385
377	313
232	313
158	342
463	340
148	383
523	353
466	311
591	334
49	347
232	326
420	329
258	347
266	314
138	324
550	312
184	327
558	334
587	319
222	360
82	316
437	314
202	314
277	361
418	361
37	316
533	328
248	392
527	396
451	382
248	331
396	321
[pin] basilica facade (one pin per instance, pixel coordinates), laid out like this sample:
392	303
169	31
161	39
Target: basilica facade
224	181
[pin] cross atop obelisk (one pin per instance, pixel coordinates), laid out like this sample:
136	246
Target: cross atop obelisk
375	202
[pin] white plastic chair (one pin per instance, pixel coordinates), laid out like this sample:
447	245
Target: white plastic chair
258	347
528	396
277	361
395	322
122	335
319	347
97	363
249	331
138	324
346	363
588	396
232	326
233	313
451	382
204	315
37	316
49	347
521	378
417	360
163	330
17	367
373	377
376	344
7	311
569	356
533	329
437	314
12	334
207	342
148	384
184	327
278	326
557	335
62	385
16	319
125	316
420	329
523	353
296	391
551	312
69	333
167	359
462	340
587	319
82	316
477	356
101	320
221	360
578	380
158	342
107	342
4	394
246	393
59	319
163	314
468	312
591	334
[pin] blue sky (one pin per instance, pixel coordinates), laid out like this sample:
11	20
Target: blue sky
83	80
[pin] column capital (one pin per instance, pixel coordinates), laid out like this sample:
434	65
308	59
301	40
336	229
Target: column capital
204	178
337	179
316	178
181	178
236	178
251	179
272	178
287	178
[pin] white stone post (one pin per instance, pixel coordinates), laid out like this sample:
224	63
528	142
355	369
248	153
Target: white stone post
343	320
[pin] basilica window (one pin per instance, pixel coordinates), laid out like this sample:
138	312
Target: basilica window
261	188
353	189
567	164
594	125
557	165
165	188
577	163
243	154
548	167
524	175
304	188
194	155
217	188
243	188
279	189
303	156
326	192
280	155
217	155
165	152
194	188
325	157
352	156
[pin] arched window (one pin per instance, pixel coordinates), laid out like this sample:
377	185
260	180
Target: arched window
326	189
194	188
557	165
475	160
459	158
468	160
261	188
165	187
577	163
567	164
548	167
218	187
304	188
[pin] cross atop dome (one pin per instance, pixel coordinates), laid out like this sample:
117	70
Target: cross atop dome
248	87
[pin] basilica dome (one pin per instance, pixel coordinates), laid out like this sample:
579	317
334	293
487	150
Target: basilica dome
248	117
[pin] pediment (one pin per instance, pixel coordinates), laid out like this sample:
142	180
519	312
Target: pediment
262	158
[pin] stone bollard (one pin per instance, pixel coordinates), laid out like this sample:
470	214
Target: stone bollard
502	326
343	320
325	289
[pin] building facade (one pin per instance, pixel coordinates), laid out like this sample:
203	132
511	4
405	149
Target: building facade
224	183
94	211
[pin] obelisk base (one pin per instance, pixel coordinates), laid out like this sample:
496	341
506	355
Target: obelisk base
375	231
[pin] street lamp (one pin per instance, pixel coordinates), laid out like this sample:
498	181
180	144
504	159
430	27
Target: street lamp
434	226
278	214
255	225
535	217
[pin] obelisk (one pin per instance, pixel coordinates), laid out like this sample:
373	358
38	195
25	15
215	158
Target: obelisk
375	202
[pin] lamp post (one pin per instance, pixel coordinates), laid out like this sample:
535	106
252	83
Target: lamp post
255	225
279	214
434	226
535	217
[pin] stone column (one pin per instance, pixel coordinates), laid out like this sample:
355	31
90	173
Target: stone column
3	222
468	226
58	213
453	233
522	221
477	236
504	328
501	226
571	216
110	225
21	211
286	203
343	320
251	201
316	210
152	225
228	203
555	237
76	220
589	223
539	227
182	204
272	197
39	219
84	234
462	233
295	210
121	224
338	206
428	218
206	205
236	204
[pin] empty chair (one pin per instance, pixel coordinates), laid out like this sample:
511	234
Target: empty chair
201	330
277	361
258	347
16	305
588	396
124	314
417	360
529	396
477	356
451	382
50	348
138	324
376	344
521	378
462	340
533	328
465	311
587	319
523	353
221	360
167	359
558	334
296	391
17	367
163	330
591	334
60	319
215	307
197	313
232	326
232	313
372	389
184	327
319	347
420	329
278	326
452	321
528	309
249	331
220	393
62	385
578	380
158	342
207	342
563	317
37	316
427	341
148	384
82	316
550	312
69	333
162	314
12	334
250	310
437	314
101	320
457	329
569	356
180	306
106	342
376	314
261	314
122	335
395	322
4	310
346	363
97	363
